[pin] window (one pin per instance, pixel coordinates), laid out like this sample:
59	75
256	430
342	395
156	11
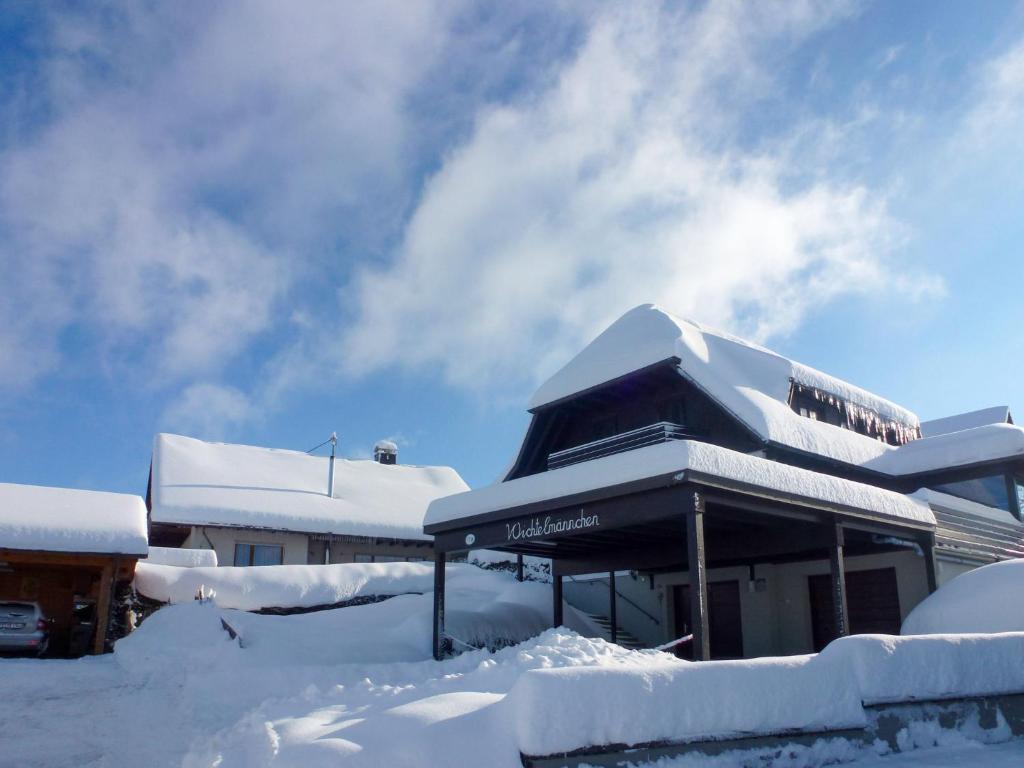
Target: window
991	491
388	559
1019	485
360	558
809	413
258	554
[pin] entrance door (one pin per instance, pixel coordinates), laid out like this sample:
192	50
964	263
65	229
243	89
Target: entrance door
872	601
725	628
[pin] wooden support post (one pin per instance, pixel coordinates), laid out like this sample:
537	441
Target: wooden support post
556	598
519	567
103	609
838	567
612	612
930	566
439	639
697	564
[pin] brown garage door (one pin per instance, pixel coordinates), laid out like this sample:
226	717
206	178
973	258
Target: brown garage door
725	629
872	601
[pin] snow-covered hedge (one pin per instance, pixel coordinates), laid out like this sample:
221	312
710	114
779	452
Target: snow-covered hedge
663	698
987	599
182	557
283	586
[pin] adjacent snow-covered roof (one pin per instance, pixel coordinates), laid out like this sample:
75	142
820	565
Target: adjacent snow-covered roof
710	461
1000	414
38	518
955	449
201	483
753	384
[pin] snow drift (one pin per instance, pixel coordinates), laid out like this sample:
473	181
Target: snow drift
290	586
987	599
562	709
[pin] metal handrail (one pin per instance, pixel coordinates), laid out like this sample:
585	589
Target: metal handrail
619	595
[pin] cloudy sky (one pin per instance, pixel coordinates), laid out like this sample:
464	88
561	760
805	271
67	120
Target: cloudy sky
261	222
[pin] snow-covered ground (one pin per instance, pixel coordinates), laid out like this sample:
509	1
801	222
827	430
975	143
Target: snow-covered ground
356	686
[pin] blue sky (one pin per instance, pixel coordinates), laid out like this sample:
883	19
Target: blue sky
262	222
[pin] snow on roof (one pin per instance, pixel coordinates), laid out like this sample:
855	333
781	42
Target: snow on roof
202	483
749	381
999	414
753	384
677	456
39	518
955	449
945	501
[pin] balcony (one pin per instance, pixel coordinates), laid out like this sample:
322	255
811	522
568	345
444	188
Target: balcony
653	434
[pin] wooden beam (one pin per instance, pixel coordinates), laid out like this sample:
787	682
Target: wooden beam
556	600
103	609
838	568
698	577
612	612
519	567
439	639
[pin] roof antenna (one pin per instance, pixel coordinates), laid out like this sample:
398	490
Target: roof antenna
330	471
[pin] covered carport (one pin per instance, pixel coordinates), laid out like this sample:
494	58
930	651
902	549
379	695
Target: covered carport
68	550
679	506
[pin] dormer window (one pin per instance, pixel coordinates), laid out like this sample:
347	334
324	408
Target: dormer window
819	405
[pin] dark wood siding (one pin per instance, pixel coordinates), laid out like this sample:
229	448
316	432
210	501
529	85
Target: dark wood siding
872	600
724	623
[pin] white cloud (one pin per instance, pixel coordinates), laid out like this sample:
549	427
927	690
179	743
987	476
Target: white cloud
191	165
625	181
998	111
208	411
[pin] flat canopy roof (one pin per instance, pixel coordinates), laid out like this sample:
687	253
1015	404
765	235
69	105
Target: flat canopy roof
42	519
671	463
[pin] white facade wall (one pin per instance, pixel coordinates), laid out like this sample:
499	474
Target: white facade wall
298	548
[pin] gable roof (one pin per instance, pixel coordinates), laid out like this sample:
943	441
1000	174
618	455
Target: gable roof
42	519
750	382
221	484
753	385
999	414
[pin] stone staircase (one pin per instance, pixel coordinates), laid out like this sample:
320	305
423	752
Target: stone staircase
623	638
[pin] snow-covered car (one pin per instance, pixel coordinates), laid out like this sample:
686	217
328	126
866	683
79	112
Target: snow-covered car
23	628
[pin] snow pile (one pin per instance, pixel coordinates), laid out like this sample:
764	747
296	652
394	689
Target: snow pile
201	483
290	586
46	519
182	557
694	460
559	710
987	599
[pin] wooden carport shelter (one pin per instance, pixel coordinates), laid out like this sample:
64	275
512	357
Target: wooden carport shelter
59	546
54	579
680	521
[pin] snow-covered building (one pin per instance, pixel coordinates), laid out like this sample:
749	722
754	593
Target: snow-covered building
793	505
265	506
68	551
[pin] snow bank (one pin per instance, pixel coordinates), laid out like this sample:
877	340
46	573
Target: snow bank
987	599
39	518
201	483
288	586
182	557
700	460
559	710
